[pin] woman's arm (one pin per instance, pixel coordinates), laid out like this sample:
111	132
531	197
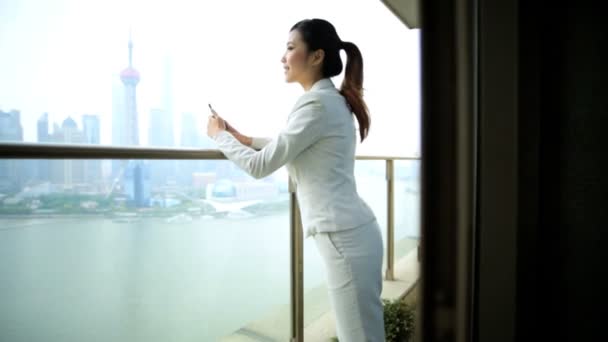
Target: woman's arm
253	142
243	139
302	130
259	143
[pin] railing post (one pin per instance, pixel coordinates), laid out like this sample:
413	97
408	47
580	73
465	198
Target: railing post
390	220
297	267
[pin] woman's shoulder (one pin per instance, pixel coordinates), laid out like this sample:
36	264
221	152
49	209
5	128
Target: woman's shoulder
312	100
322	96
309	96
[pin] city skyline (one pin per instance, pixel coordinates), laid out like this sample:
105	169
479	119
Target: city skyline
64	57
125	119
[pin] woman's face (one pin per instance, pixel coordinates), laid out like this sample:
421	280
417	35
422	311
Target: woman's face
295	60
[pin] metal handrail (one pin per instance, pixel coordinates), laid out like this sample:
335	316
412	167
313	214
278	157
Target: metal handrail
19	150
74	151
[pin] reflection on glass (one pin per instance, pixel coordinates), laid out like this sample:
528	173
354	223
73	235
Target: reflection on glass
142	251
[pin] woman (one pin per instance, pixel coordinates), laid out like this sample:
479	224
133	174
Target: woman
318	147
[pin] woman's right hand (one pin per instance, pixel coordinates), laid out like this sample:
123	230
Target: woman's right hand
229	127
243	139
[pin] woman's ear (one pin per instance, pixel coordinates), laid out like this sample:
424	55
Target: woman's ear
317	57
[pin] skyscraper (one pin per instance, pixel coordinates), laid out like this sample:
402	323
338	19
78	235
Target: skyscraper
160	129
69	133
69	171
190	137
160	134
91	130
90	126
10	126
137	183
42	132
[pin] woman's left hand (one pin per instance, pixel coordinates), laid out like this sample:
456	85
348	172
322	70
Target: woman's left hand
215	125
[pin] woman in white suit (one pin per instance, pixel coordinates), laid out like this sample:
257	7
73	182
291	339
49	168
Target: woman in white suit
317	145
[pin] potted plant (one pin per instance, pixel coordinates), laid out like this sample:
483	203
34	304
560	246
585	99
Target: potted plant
399	321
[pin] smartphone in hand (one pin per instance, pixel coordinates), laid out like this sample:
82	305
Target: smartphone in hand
212	110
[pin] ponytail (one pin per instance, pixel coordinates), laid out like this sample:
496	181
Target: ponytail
352	87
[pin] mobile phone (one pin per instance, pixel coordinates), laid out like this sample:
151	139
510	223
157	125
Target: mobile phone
212	110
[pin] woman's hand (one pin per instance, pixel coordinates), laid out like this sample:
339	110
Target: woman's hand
215	125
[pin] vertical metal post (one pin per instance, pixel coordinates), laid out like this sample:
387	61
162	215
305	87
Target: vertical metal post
390	220
297	267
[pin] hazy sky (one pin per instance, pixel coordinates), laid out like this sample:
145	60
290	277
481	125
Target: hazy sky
64	57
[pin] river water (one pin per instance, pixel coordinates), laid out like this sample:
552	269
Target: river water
94	279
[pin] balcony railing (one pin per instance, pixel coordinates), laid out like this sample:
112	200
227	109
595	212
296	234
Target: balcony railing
64	151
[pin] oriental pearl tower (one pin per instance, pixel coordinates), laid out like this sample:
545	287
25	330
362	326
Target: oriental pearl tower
133	174
130	79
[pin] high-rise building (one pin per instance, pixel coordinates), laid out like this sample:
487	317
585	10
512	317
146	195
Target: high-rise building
137	183
91	128
43	166
69	133
92	167
67	172
160	134
190	137
10	126
12	176
42	131
160	129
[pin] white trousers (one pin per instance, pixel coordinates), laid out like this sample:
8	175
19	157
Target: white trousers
353	263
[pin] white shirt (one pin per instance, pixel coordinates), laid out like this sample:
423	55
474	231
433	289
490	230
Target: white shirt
318	148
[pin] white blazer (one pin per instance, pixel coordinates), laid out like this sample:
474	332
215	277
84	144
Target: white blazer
318	148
